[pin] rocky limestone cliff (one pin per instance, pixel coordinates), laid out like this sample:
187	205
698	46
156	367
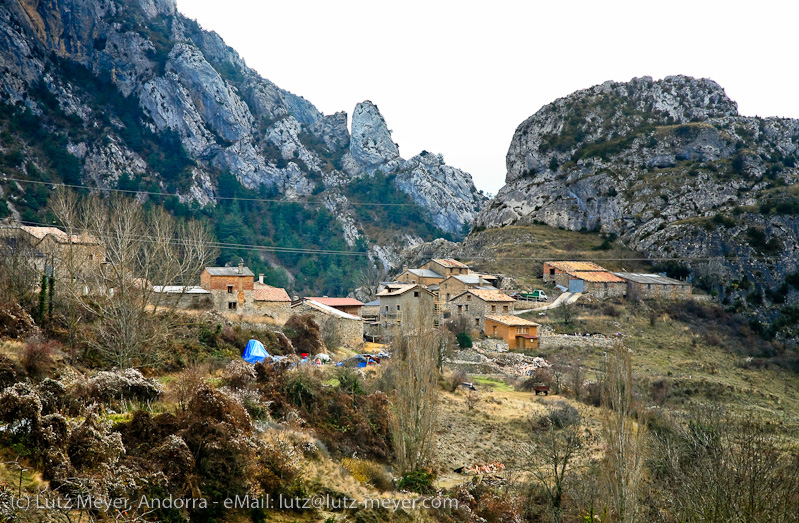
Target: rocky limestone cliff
671	169
138	91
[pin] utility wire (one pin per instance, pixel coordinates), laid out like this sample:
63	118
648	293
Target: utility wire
231	198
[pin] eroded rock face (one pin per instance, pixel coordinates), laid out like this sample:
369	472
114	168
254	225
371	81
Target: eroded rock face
669	167
191	87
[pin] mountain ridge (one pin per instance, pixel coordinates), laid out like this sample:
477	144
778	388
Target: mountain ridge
671	169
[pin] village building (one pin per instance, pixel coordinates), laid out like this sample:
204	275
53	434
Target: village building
655	286
475	304
348	305
457	284
519	333
586	278
272	302
446	267
231	288
348	328
181	297
52	251
406	306
425	277
560	272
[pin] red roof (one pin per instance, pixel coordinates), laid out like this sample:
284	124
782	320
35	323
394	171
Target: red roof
338	302
264	292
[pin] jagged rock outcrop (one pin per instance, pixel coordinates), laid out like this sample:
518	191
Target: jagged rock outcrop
671	169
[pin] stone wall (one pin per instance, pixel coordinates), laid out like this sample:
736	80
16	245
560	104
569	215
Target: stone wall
280	311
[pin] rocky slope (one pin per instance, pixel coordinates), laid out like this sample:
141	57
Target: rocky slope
135	90
670	168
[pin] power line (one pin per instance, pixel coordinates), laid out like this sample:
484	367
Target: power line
231	198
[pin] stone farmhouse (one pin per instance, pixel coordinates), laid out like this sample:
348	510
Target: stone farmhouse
475	304
585	277
406	306
232	288
52	251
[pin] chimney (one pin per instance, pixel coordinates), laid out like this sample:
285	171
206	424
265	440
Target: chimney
261	278
241	266
404	268
480	279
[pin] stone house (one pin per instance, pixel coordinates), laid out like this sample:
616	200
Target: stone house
348	305
348	327
475	304
601	284
425	277
560	272
406	306
446	267
655	286
459	283
272	302
518	332
52	251
231	288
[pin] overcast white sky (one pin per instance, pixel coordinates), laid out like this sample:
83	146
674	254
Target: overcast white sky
457	77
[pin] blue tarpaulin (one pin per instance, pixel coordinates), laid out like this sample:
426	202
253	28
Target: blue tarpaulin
255	352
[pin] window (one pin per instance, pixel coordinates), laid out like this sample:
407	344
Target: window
551	272
230	289
447	296
467	306
468	297
477	321
494	308
494	330
91	257
231	306
460	308
413	281
386	308
398	307
415	294
505	308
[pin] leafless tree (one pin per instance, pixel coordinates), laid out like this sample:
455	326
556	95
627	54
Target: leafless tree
19	273
556	443
142	249
414	379
625	437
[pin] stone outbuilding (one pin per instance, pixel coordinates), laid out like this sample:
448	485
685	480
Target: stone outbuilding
655	286
560	272
52	251
180	297
272	302
348	305
348	327
425	277
475	304
600	284
519	333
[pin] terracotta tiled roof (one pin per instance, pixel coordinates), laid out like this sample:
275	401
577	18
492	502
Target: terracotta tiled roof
449	262
487	295
396	290
513	321
596	276
338	302
265	292
57	234
576	266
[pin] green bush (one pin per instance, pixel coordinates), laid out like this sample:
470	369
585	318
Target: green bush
419	481
464	340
